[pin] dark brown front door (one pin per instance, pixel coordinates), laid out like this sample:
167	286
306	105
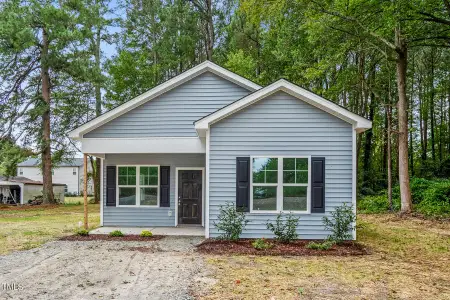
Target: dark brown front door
190	197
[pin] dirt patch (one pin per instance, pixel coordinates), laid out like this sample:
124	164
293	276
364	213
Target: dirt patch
106	237
5	207
296	248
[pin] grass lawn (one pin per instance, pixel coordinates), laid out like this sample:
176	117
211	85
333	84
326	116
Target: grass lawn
410	260
76	200
22	229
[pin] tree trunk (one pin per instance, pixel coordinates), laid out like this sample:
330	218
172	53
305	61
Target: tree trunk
46	154
209	30
411	121
431	109
402	59
389	155
369	136
98	112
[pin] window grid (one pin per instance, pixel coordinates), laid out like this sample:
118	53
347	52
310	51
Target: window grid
280	183
137	186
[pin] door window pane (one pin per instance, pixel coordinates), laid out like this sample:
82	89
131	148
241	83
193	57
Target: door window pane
127	196
294	198
149	196
264	198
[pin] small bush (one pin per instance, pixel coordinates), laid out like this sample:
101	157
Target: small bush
231	222
436	200
146	233
261	244
341	224
284	230
377	204
116	233
82	232
320	246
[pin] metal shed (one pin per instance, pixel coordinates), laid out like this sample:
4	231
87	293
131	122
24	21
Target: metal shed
18	190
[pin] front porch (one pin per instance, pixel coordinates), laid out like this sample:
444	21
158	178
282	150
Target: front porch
176	231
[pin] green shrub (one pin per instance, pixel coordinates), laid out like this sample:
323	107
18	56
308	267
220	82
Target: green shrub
325	245
261	244
116	233
430	198
284	230
436	200
146	233
377	204
341	223
231	222
82	232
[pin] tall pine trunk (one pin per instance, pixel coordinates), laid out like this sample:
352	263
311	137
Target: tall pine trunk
98	112
402	60
46	154
209	30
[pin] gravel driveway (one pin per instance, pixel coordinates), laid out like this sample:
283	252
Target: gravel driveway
161	269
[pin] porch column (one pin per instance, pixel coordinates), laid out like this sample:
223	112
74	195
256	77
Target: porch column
85	192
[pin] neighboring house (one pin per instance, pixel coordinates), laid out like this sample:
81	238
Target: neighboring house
19	190
69	173
176	153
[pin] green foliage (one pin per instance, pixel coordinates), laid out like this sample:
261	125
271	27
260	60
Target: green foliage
82	232
116	233
325	245
285	230
146	233
341	223
11	155
430	197
261	244
231	222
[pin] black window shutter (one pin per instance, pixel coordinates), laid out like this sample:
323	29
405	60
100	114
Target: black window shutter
111	186
164	186
243	184
317	184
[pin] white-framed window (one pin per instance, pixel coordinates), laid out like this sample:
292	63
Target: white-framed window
66	189
280	183
138	185
74	171
20	171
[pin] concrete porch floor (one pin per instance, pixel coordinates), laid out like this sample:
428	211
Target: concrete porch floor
181	230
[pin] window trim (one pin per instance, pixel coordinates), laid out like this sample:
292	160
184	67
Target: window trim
280	185
138	186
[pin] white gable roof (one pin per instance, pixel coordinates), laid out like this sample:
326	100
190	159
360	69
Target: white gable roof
361	124
206	66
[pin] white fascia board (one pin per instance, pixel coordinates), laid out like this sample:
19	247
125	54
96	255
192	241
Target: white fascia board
143	145
361	124
206	66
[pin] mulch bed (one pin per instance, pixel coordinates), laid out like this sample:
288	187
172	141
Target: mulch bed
106	237
296	248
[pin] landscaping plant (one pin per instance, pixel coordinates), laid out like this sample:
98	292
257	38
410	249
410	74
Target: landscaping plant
341	223
325	245
261	244
116	233
82	232
284	229
231	222
146	233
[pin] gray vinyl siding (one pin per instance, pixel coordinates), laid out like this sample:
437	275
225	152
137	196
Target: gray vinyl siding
173	113
146	216
280	125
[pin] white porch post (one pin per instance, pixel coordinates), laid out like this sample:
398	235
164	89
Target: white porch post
85	191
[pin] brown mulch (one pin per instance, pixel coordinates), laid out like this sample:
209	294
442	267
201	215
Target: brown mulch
106	237
296	248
